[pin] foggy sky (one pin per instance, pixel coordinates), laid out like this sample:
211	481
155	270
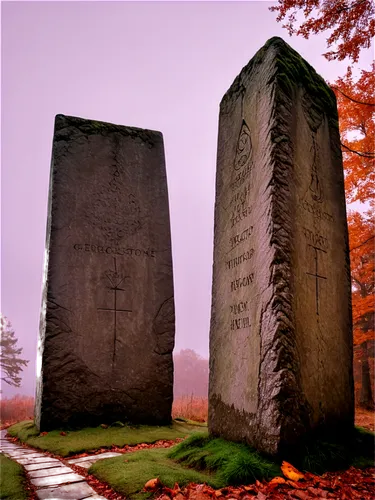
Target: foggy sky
157	65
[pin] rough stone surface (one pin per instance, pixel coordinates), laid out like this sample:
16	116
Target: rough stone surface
22	454
56	480
281	339
50	472
87	462
36	460
75	491
107	321
42	466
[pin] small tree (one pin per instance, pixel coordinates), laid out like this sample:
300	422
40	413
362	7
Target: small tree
10	363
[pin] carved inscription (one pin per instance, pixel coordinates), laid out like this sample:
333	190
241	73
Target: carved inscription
238	324
86	247
316	275
239	308
239	205
115	279
241	177
239	210
315	239
240	197
236	261
241	282
317	211
240	237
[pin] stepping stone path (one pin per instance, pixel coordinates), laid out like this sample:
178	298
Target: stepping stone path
52	479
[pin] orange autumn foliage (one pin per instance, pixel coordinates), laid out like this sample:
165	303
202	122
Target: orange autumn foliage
352	23
356	108
362	257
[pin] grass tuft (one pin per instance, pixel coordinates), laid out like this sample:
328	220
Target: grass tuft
234	463
129	473
13	480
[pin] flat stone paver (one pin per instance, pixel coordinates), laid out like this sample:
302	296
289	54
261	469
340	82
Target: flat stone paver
46	465
76	491
94	458
38	460
26	456
50	472
56	480
86	465
52	479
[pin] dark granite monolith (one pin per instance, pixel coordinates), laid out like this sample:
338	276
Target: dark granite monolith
107	322
281	335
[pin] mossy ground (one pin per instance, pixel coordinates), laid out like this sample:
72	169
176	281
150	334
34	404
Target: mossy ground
92	438
221	463
233	463
129	473
12	480
199	459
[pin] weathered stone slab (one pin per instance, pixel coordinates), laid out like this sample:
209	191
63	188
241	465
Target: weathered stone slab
281	339
86	465
107	322
50	472
56	480
75	491
37	460
41	466
26	455
94	458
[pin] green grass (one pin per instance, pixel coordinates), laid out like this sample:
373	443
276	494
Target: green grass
12	476
129	473
233	463
198	459
92	438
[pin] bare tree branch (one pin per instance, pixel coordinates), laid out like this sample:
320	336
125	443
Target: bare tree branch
363	243
365	154
351	98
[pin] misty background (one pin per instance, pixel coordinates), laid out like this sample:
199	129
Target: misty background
158	65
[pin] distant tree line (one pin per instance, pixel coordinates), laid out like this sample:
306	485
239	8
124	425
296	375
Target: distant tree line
190	374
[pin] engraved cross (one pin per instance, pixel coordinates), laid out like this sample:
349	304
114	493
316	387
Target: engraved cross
317	276
115	279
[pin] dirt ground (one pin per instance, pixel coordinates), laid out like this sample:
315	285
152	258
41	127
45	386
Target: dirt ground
365	418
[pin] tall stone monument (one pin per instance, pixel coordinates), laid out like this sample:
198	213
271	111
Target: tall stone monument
107	322
281	338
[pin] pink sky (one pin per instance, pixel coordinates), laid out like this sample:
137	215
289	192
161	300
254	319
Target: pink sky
157	65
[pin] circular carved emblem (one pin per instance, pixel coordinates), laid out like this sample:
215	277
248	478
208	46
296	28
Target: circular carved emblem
243	150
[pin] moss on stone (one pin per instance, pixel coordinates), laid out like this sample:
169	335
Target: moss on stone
292	71
94	127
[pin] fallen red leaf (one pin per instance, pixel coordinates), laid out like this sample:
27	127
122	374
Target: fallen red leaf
300	494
